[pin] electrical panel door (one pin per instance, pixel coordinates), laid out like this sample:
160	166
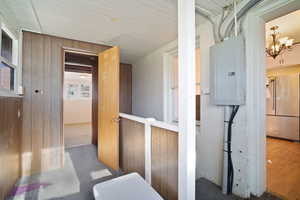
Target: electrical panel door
227	72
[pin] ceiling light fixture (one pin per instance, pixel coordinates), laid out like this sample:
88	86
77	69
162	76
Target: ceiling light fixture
278	45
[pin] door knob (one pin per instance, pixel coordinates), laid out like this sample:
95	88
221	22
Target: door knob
116	119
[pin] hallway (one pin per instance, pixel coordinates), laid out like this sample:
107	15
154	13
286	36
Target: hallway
77	134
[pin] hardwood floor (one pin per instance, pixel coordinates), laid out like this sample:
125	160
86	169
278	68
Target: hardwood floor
283	168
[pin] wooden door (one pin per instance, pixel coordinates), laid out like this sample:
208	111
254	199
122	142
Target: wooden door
108	131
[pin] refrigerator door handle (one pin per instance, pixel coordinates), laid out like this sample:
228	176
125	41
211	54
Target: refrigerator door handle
274	94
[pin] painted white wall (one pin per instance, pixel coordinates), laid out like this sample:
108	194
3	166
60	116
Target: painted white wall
248	129
147	84
77	110
210	144
148	94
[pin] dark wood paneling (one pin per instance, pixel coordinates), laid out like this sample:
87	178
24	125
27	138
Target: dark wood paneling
198	107
42	138
37	99
27	120
80	58
95	103
10	143
79	69
42	142
47	97
132	146
126	88
165	163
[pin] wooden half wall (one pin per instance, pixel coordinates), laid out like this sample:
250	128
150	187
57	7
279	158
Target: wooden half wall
162	151
42	139
165	162
10	142
132	146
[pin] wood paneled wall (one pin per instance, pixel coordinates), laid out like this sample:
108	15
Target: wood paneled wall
132	146
165	162
126	88
10	142
42	140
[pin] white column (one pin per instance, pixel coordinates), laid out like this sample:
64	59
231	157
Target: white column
186	101
148	147
255	108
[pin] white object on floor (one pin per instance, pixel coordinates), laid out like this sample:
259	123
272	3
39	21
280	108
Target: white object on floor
127	187
100	174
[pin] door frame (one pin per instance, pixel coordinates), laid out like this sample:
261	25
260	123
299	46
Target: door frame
168	56
83	52
254	26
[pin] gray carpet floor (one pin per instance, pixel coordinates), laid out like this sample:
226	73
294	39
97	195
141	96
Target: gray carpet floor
76	180
206	190
77	134
85	162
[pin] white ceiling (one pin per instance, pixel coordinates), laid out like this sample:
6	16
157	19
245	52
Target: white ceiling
214	6
137	26
288	26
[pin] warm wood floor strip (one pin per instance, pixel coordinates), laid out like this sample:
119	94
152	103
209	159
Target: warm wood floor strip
283	168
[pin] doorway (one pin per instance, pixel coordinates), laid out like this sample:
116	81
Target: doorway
283	106
80	99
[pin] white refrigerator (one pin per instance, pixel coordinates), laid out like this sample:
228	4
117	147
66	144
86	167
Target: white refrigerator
283	107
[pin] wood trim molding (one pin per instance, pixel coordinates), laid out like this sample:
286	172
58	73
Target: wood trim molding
254	27
149	125
186	100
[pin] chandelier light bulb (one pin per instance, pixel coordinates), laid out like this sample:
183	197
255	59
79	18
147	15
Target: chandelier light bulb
283	40
290	42
278	45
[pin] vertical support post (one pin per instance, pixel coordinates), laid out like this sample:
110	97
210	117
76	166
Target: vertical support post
187	92
255	109
148	149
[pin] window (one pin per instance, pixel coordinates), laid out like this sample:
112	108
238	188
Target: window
7	75
174	87
6	46
8	61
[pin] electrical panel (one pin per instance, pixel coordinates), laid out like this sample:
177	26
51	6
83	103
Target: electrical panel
228	72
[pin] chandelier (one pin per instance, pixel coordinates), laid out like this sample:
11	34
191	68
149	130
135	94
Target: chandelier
278	45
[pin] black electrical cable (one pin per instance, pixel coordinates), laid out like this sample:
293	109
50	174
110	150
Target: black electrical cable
230	172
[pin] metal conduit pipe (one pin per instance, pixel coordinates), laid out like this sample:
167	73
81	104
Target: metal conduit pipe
217	27
206	14
240	14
